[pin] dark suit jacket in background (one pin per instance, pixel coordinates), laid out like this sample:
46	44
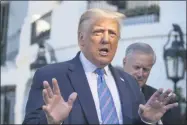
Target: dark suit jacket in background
71	78
172	116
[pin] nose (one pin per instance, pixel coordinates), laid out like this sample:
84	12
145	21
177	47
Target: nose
140	72
105	39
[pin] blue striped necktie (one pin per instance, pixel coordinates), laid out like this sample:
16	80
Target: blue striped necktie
107	107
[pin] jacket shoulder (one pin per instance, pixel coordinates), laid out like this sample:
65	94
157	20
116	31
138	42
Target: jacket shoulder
133	85
128	77
56	70
54	67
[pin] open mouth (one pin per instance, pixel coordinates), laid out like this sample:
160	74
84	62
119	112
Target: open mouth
103	51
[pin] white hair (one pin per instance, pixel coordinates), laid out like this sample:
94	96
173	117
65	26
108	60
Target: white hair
140	47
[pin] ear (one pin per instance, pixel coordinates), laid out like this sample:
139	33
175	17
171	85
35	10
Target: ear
81	38
124	60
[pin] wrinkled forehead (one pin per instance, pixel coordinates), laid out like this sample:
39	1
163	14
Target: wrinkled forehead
100	22
142	58
104	21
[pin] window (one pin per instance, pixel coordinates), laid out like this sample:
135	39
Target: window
3	29
7	104
135	8
13	45
41	29
136	12
121	5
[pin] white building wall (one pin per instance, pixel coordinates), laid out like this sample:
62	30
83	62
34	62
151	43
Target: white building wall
9	71
63	37
156	35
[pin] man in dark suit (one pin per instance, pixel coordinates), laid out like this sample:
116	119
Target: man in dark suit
89	90
138	62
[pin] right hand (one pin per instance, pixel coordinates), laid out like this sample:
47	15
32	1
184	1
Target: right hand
56	109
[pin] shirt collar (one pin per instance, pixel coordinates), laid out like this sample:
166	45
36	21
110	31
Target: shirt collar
88	66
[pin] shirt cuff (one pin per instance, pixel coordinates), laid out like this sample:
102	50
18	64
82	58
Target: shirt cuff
159	122
150	123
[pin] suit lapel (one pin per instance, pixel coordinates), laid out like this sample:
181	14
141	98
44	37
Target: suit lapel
80	84
124	94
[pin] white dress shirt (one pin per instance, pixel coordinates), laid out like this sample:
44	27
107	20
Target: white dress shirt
89	69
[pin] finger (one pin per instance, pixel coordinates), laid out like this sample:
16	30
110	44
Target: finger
46	96
164	95
48	88
155	95
170	98
56	89
170	106
45	109
156	104
72	98
141	108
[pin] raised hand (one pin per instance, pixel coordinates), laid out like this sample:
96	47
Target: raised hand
56	109
157	105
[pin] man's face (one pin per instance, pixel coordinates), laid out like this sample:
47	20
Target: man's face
138	65
99	42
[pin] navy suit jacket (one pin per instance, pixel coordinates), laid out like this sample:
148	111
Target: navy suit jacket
71	78
172	116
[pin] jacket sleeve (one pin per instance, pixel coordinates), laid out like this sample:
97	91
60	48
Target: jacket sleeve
34	113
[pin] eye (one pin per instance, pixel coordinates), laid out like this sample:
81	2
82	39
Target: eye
112	33
146	69
136	67
98	32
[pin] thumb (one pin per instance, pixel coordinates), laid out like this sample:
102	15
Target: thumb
45	109
141	108
72	98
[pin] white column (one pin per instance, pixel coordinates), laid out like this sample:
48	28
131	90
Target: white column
22	79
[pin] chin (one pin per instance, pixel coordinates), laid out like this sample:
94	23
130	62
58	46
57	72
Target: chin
142	84
104	62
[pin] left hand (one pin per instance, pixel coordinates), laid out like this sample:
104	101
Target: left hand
156	106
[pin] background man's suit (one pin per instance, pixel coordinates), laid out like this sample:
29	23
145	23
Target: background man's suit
172	116
71	77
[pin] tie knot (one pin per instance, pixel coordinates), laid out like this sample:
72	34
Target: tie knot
100	71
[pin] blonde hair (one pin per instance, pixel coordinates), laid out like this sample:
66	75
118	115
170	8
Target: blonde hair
96	13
